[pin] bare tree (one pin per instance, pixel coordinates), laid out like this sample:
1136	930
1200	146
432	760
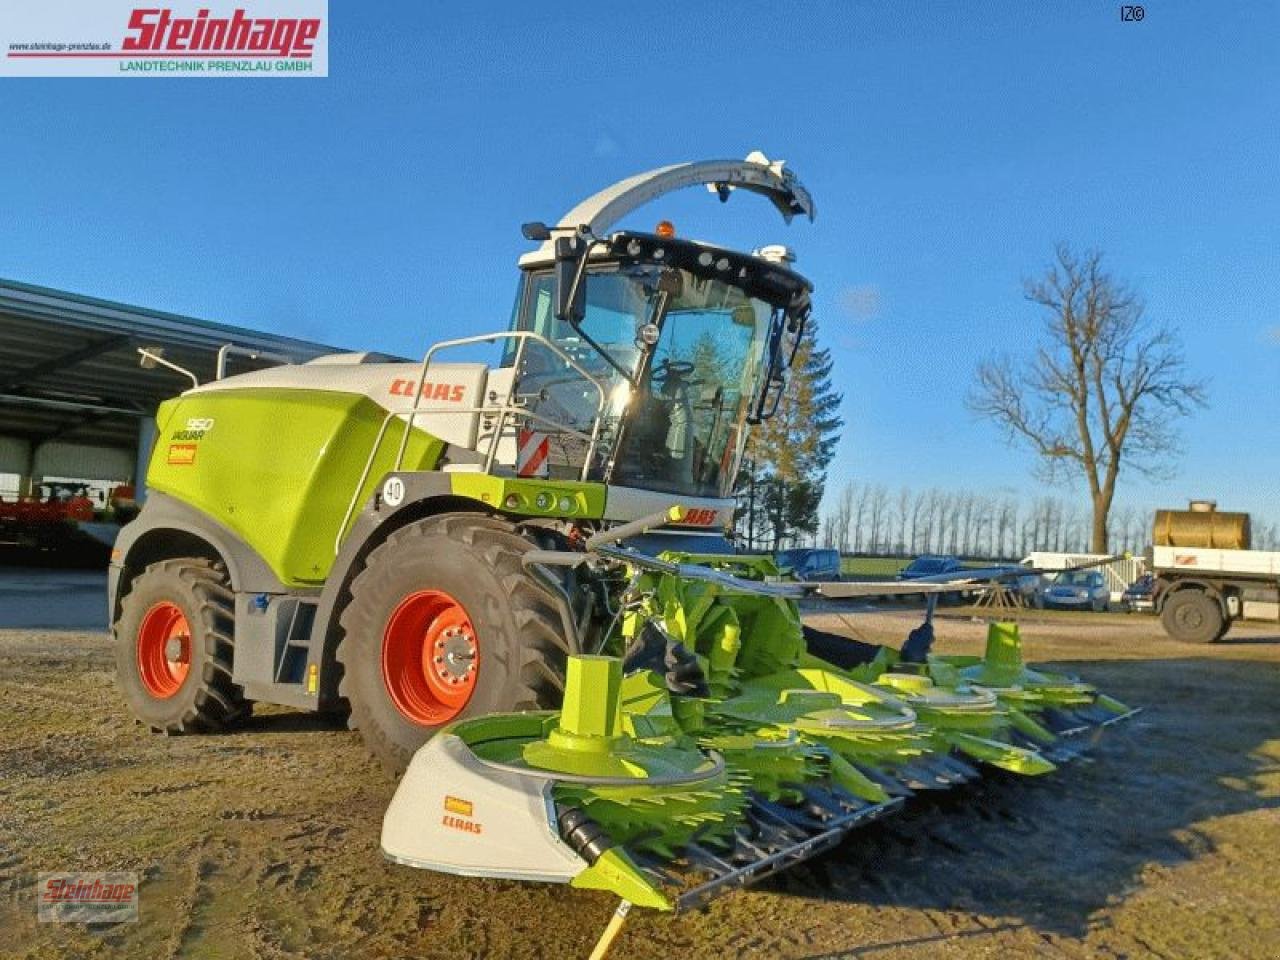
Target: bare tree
1101	392
930	519
967	501
917	509
1007	523
1129	526
1266	536
879	508
904	509
844	517
982	526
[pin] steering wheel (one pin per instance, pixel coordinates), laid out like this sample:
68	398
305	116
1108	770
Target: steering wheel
675	368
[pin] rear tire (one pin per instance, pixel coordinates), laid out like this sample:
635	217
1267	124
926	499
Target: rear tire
451	585
1192	616
174	646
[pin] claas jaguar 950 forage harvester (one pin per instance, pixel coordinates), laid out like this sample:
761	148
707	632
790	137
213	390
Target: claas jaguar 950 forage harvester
515	578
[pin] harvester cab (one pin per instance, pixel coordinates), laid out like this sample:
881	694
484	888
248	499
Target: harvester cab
690	343
639	360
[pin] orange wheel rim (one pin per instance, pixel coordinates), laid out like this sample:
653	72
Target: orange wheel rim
430	658
164	650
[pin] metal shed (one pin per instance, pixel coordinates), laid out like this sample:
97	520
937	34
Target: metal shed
74	398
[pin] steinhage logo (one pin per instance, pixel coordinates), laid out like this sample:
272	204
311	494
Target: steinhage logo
76	38
161	30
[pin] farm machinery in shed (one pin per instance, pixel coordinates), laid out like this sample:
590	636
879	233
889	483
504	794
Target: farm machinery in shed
517	582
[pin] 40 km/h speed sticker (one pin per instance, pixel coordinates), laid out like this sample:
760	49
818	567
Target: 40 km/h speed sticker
393	492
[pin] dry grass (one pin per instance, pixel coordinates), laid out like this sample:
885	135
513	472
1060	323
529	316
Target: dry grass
264	842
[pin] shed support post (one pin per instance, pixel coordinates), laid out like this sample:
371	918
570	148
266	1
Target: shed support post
146	440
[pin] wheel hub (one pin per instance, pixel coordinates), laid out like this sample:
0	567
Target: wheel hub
430	658
455	655
164	650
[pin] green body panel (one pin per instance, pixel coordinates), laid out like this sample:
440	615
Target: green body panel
532	497
278	467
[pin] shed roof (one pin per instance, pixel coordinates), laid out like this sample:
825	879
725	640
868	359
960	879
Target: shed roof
69	366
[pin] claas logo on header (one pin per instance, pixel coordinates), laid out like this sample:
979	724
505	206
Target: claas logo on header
699	517
448	392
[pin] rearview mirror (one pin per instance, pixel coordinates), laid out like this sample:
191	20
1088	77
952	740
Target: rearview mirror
570	280
536	231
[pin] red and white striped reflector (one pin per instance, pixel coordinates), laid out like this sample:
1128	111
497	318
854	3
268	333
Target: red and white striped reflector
531	458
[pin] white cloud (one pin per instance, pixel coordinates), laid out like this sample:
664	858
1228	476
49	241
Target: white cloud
861	302
606	146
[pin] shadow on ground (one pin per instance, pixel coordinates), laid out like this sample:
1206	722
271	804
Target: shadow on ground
1051	853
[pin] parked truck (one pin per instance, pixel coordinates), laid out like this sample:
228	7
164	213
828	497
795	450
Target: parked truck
1205	571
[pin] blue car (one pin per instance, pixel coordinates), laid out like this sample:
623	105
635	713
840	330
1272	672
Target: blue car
1078	590
928	566
809	564
1139	597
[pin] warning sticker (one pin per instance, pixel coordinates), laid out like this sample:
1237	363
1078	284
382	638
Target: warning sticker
182	454
454	805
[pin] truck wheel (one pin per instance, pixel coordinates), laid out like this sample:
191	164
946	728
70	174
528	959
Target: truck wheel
174	644
1192	616
445	622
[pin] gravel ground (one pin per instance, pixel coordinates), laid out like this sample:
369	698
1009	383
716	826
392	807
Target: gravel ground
264	842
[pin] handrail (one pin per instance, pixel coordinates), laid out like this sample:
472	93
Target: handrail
524	336
231	349
501	411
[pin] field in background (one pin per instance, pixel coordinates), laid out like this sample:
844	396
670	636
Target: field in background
888	566
872	566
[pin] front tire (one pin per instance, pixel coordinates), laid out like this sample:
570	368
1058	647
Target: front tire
174	644
445	622
1192	616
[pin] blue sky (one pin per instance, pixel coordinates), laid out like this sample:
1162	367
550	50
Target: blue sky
948	148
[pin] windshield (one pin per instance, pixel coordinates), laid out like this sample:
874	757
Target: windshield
1076	579
675	420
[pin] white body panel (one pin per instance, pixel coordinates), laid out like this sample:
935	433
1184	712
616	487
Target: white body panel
508	833
1191	559
497	389
449	390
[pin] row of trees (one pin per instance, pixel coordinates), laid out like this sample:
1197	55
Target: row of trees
873	519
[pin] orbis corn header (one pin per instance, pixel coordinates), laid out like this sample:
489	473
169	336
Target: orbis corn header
516	580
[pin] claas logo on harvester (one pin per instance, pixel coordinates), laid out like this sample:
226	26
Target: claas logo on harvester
448	392
463	809
699	517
